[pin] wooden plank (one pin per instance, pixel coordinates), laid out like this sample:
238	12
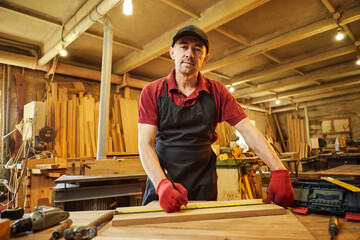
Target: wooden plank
280	133
47	166
4	229
129	117
121	143
81	131
92	138
63	128
198	214
57	128
127	165
79	86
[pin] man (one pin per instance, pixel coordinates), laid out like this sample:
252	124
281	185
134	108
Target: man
178	115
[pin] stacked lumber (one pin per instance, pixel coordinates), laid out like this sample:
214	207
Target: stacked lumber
297	137
74	114
224	131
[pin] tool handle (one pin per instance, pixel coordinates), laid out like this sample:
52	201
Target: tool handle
106	216
60	230
333	226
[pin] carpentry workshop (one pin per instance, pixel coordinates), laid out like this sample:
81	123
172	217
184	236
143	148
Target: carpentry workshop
106	104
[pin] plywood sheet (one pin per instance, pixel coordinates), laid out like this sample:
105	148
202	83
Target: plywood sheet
198	214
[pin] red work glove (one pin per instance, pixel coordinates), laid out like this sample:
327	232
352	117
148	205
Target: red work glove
280	190
171	199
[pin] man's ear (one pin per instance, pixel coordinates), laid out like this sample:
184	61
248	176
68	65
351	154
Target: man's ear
171	52
206	59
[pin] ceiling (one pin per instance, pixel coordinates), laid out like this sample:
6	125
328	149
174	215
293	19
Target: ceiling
265	49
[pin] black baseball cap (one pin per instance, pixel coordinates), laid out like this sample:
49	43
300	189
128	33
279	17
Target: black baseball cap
192	30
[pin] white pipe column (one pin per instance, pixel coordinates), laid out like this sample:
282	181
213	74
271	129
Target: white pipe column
87	22
105	89
307	124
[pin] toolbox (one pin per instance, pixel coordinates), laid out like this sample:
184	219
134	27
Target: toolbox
320	196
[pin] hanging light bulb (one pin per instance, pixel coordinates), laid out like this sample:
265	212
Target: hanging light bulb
231	89
358	60
277	102
63	51
340	34
127	7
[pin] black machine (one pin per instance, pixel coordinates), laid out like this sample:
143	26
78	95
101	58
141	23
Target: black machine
320	196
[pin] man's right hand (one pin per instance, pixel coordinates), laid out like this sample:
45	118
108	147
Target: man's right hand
171	199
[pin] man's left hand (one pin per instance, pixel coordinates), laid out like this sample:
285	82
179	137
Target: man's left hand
280	189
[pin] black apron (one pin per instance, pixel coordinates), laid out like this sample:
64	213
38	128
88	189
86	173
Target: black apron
183	145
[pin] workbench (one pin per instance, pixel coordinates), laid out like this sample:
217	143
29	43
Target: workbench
311	226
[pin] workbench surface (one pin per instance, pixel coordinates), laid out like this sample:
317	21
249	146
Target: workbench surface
312	226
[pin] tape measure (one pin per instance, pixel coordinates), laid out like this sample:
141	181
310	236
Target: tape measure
342	184
188	208
13	213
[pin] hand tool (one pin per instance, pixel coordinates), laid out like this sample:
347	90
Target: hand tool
89	231
170	179
41	218
189	207
12	213
60	230
333	226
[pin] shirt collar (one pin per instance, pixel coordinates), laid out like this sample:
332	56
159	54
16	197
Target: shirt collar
202	86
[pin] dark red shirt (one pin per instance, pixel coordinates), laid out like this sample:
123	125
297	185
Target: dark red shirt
227	108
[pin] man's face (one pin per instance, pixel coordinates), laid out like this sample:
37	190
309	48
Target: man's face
189	54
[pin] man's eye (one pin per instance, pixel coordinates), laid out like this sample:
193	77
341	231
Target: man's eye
198	49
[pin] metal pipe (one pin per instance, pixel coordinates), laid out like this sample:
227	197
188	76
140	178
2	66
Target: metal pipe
105	89
99	11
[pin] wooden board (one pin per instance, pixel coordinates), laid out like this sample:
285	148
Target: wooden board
343	170
127	165
197	214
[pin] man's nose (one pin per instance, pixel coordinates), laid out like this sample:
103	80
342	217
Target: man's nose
190	52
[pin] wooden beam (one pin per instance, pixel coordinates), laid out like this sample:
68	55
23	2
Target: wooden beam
312	89
306	59
237	37
338	70
320	96
215	16
285	39
122	44
252	107
182	8
234	36
332	10
220	75
317	103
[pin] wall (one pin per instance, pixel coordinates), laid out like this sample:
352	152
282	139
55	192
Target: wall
326	111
